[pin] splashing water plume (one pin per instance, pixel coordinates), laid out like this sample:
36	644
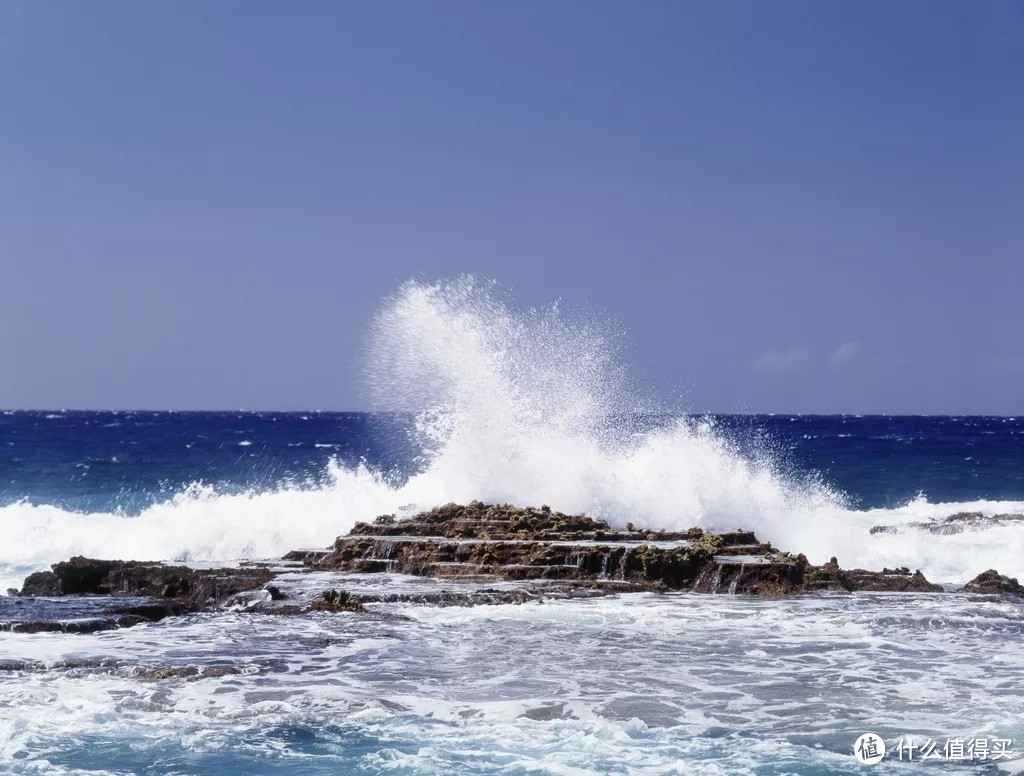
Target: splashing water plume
535	406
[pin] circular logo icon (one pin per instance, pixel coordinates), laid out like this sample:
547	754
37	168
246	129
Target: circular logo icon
869	749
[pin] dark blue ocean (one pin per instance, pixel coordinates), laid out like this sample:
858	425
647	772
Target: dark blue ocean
126	461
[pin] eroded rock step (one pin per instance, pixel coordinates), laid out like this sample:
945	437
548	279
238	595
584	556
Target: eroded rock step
480	542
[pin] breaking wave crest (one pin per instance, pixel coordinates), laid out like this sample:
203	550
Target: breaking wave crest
530	407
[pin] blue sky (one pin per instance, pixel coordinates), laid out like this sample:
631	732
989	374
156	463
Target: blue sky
790	206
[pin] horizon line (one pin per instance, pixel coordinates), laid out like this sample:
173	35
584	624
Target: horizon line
11	410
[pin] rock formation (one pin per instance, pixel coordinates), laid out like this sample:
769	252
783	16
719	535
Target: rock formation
549	555
480	542
991	582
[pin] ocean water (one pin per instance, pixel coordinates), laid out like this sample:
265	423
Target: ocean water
645	684
482	399
236	485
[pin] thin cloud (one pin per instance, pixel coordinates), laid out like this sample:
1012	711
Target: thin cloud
781	360
845	354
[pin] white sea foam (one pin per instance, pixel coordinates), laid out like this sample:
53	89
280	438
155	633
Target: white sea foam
644	684
528	407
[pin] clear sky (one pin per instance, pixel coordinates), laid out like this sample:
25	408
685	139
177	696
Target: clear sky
791	206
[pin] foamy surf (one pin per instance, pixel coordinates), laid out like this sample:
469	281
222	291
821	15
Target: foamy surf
641	684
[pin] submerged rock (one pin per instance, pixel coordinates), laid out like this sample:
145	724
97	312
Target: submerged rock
540	590
165	591
890	580
336	601
73	626
184	672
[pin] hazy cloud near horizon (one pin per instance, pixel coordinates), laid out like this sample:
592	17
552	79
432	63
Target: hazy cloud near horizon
809	208
782	360
845	354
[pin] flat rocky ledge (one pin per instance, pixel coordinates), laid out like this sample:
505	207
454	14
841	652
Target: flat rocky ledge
481	542
478	550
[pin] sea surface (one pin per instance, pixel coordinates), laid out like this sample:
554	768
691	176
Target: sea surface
237	485
528	407
127	461
642	684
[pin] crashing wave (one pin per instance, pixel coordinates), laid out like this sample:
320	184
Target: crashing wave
526	407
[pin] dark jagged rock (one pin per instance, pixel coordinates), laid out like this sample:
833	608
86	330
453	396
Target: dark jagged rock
90	576
17	665
156	611
774	575
42	583
481	521
286	610
890	580
184	672
72	626
336	601
275	593
827	576
991	582
167	672
304	556
167	591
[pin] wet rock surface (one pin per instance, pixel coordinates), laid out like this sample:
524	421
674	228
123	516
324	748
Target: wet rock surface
505	542
991	582
117	594
481	542
899	580
90	576
477	553
186	671
336	601
81	614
